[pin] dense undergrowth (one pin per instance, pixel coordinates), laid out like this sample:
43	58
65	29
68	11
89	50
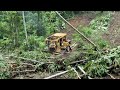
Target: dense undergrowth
100	66
4	69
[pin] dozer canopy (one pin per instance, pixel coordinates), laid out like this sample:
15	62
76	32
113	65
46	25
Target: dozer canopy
56	36
59	34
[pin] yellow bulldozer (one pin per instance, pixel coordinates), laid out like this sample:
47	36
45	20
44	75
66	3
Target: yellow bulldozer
58	42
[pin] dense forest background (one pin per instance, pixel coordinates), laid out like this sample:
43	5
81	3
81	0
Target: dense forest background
27	30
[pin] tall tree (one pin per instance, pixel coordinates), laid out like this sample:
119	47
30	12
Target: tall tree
25	27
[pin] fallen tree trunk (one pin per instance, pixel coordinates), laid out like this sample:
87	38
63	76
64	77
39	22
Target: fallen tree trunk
78	61
58	74
76	73
30	60
77	30
84	72
111	76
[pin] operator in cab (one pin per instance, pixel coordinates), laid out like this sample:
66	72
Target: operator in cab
66	45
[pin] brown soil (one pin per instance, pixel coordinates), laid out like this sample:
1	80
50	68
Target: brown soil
82	20
113	34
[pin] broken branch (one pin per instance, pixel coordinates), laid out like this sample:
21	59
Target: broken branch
111	76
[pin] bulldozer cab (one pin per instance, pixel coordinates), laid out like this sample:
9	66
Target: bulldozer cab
55	42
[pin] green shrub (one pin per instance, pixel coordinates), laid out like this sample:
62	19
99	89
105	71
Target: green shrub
35	43
99	66
5	42
94	68
102	43
101	22
4	73
87	31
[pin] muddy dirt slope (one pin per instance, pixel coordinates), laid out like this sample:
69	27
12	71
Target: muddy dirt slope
82	20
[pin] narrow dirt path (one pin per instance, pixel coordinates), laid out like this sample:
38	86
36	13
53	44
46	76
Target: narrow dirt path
113	34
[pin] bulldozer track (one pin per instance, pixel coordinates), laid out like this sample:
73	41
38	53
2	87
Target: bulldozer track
63	53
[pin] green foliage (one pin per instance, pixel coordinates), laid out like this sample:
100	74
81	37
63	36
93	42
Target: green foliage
53	67
101	22
96	28
71	14
51	22
5	42
87	31
94	69
99	66
40	24
73	56
102	43
67	14
4	73
76	37
72	75
35	43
